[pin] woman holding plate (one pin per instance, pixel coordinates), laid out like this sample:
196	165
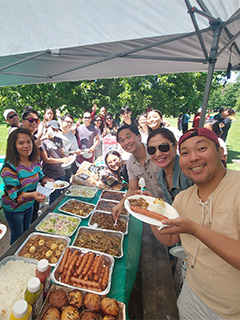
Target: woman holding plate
21	173
162	148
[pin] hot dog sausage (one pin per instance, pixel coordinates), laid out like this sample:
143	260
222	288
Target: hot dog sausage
148	213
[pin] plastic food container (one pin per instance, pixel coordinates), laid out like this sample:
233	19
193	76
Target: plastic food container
57	223
108	261
77	208
43	246
104	220
81	191
106	241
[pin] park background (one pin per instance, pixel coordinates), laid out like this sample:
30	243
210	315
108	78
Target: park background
171	93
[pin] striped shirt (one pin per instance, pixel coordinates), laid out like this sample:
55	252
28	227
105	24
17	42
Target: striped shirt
18	180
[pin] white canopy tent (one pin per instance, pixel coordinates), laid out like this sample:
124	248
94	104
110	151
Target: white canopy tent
67	40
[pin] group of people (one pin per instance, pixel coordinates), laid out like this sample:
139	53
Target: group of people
187	170
224	118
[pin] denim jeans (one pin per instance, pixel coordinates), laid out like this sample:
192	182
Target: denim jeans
57	192
18	222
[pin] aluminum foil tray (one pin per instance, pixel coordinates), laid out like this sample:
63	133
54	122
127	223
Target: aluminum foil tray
104	220
57	223
101	241
79	207
57	275
44	246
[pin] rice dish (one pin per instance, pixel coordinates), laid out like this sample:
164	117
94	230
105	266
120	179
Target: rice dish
14	276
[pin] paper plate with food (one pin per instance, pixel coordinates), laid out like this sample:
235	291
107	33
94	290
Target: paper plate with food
150	210
59	184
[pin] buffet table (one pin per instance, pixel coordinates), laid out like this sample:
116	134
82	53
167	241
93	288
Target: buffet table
158	297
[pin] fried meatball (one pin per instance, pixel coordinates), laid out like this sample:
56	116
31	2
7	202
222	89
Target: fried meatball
92	301
75	298
89	315
109	307
51	314
58	298
70	313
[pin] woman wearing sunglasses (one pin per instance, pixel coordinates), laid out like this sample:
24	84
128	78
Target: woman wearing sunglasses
110	126
162	148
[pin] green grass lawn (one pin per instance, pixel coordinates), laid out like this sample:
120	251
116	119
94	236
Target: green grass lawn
233	141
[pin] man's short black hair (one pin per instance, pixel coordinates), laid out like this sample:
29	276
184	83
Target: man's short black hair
134	129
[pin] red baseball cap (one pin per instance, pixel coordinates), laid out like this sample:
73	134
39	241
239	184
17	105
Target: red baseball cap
203	132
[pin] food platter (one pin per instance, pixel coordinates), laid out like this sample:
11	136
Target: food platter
167	211
57	223
98	314
43	246
81	191
104	220
112	195
106	241
3	230
57	275
59	184
77	208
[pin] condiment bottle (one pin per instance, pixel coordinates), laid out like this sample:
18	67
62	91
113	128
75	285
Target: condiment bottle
34	295
21	311
43	273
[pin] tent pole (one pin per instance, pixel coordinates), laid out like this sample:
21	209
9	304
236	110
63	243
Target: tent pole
217	29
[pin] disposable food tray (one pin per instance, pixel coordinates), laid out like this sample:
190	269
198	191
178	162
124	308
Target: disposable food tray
81	191
77	205
112	195
110	221
55	252
59	224
47	305
107	259
99	244
107	205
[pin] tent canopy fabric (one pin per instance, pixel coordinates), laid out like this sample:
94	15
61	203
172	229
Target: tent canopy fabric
53	41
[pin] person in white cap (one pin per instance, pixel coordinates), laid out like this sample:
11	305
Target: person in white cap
12	118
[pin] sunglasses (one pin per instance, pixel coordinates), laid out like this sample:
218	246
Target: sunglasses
12	116
163	147
98	120
31	120
86	117
68	122
109	118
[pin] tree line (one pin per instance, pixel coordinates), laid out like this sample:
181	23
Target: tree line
172	94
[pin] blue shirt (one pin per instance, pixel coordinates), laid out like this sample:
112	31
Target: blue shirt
180	182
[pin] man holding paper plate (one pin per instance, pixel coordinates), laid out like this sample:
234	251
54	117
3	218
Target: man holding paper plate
209	230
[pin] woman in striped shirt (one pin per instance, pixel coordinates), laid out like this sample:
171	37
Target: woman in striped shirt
21	173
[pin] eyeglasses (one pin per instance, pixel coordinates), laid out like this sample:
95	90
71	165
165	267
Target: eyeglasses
68	122
31	120
98	120
108	118
163	147
125	113
12	116
86	117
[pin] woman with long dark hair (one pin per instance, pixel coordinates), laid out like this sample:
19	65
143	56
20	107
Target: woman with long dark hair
21	173
114	164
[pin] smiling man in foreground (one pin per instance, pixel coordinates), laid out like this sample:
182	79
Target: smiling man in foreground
209	228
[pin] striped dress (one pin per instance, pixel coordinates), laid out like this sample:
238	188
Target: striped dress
18	180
